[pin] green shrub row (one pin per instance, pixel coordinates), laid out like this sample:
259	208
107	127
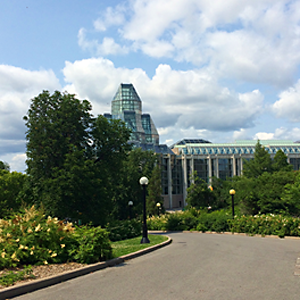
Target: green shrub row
122	230
32	238
200	220
221	221
268	224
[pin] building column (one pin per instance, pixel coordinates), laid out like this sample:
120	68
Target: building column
170	182
241	165
209	170
233	166
217	166
185	178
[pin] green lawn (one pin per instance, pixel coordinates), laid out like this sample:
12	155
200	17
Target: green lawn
128	246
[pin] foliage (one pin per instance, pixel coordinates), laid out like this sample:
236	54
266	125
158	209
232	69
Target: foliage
73	158
90	245
11	184
10	277
32	238
138	163
122	230
199	195
260	164
154	192
280	162
191	219
266	224
267	194
4	166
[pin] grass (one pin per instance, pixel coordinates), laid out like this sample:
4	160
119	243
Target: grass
131	245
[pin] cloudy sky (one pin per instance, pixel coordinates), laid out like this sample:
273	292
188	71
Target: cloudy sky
217	70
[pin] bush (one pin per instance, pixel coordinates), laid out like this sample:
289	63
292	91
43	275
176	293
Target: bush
121	230
266	225
32	238
91	244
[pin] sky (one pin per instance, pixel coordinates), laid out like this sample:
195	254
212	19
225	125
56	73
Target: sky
215	70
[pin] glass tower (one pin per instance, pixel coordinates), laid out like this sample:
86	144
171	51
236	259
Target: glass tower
127	106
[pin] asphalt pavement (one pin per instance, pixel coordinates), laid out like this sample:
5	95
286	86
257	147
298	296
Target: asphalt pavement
194	266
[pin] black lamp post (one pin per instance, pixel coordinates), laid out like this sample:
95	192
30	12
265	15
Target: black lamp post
158	207
232	192
130	204
144	181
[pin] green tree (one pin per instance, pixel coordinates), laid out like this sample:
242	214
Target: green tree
266	193
11	184
260	164
138	163
73	158
154	192
199	195
4	166
280	162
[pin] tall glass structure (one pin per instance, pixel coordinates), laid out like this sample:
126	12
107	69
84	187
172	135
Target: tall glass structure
127	106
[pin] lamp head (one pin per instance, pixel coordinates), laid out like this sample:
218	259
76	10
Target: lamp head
144	180
232	192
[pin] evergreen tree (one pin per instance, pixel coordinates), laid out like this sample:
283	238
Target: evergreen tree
280	162
261	162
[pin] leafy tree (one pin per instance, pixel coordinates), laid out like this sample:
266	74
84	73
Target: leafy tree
138	163
11	183
73	158
4	166
267	193
259	164
154	192
199	195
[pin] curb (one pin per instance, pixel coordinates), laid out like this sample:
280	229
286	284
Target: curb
29	287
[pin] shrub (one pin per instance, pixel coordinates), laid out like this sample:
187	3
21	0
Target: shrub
91	244
266	225
121	230
32	238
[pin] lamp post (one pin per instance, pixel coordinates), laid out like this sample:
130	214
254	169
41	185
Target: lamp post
158	207
232	192
130	204
143	182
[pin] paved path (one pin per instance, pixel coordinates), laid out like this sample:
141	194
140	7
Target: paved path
194	266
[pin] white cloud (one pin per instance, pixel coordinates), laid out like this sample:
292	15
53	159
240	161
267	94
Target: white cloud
107	47
17	88
111	17
251	40
288	105
179	99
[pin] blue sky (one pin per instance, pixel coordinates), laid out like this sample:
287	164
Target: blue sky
217	70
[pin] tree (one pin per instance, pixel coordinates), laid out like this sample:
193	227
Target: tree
73	158
259	164
4	166
199	195
11	184
138	163
280	162
154	192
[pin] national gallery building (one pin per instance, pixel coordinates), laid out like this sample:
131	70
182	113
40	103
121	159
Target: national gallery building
180	160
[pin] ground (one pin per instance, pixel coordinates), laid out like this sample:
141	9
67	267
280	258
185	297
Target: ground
45	271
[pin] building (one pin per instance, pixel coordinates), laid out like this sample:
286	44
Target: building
180	160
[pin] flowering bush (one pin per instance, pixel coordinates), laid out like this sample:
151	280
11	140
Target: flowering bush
268	224
191	219
32	238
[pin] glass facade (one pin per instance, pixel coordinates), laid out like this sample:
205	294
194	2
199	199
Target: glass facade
225	168
127	106
177	175
201	167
